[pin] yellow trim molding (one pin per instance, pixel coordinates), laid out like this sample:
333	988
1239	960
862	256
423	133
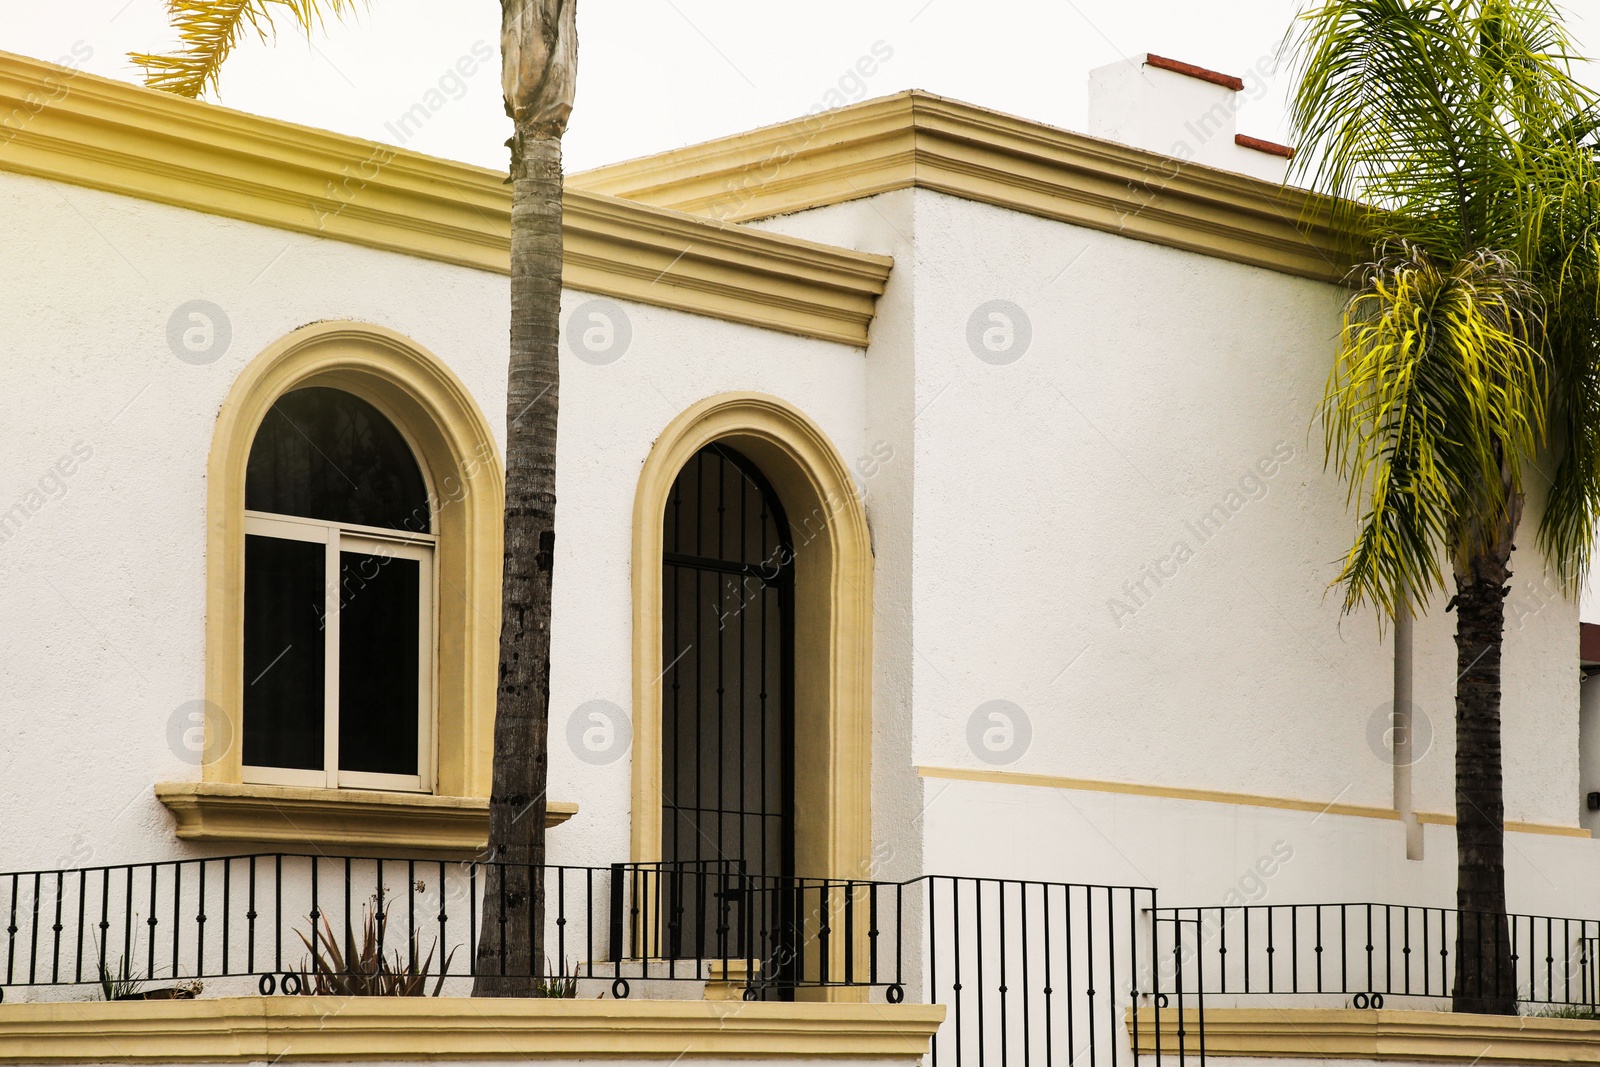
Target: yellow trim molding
1350	1033
917	140
342	818
103	134
1217	796
461	462
832	621
274	1029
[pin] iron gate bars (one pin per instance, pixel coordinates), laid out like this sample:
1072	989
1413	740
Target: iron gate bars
727	730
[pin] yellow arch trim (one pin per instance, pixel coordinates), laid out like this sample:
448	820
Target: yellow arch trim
462	462
833	624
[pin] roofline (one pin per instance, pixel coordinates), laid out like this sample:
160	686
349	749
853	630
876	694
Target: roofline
917	140
1271	148
1205	74
64	125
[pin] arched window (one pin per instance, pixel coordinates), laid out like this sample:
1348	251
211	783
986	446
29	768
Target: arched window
338	599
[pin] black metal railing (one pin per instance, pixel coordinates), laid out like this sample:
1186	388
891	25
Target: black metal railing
281	919
1361	955
1368	950
1030	971
1034	973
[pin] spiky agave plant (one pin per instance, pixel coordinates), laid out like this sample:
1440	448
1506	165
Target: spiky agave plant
360	968
1452	136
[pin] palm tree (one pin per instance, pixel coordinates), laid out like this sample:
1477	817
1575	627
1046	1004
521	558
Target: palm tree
1455	141
539	60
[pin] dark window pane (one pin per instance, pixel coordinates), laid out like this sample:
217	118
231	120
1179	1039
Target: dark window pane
378	618
326	454
284	601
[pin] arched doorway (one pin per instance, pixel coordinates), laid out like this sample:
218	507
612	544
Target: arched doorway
830	635
727	715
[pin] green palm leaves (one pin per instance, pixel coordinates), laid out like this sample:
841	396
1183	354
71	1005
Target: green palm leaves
1456	140
209	29
1436	400
1436	121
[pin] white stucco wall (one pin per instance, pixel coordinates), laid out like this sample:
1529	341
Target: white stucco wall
611	416
1156	386
1015	505
1589	752
104	605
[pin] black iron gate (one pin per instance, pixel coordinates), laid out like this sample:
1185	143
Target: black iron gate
727	713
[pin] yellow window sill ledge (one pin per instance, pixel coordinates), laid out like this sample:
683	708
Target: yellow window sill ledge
270	1029
343	818
1350	1033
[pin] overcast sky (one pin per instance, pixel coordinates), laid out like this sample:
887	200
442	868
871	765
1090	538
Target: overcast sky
658	74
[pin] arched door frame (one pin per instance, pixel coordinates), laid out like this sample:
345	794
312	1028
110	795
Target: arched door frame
461	463
833	624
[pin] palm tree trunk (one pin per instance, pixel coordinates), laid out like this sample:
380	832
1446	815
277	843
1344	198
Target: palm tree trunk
510	948
1485	978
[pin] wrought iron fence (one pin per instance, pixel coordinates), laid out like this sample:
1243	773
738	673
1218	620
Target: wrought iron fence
1030	971
286	919
1035	972
1360	955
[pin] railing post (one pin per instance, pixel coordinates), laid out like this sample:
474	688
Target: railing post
1177	980
618	903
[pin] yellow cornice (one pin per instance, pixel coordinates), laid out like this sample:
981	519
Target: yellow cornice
341	818
1350	1033
270	1029
1218	796
915	139
110	135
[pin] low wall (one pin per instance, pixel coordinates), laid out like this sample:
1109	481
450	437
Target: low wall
461	1031
1262	1036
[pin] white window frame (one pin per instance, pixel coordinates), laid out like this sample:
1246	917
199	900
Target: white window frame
372	540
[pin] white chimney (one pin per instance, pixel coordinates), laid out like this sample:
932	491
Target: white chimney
1181	110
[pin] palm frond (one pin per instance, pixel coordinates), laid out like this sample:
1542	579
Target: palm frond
1438	384
1566	235
1456	131
1416	114
209	30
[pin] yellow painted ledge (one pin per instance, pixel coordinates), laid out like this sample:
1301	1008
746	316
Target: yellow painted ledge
1218	796
918	140
344	818
1349	1033
121	138
358	1028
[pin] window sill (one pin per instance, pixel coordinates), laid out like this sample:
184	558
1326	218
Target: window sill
344	818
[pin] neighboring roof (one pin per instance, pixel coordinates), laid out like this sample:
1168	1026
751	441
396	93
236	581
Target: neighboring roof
915	139
1589	643
67	126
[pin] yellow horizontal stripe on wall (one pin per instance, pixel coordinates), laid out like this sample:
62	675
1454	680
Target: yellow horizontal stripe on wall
1216	796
